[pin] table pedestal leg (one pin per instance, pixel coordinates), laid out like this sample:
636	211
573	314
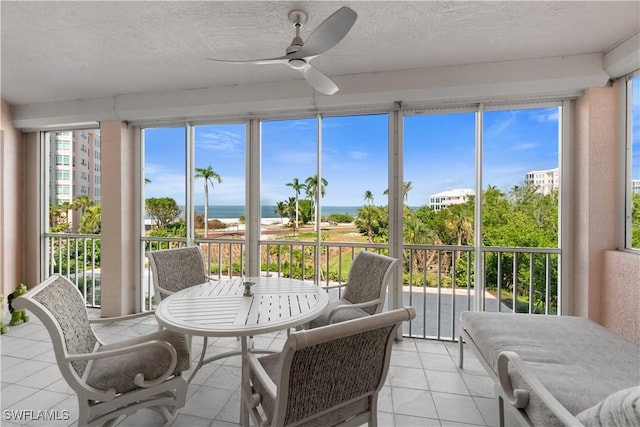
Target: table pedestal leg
244	412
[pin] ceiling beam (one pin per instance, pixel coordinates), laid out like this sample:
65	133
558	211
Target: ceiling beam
523	79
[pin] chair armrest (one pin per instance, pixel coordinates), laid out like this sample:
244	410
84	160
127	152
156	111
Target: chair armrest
139	378
333	286
519	398
101	320
349	306
261	375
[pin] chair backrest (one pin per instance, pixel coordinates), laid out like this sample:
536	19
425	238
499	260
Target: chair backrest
369	276
60	306
176	269
327	368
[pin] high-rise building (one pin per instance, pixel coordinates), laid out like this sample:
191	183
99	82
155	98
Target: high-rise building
75	166
450	197
635	186
545	180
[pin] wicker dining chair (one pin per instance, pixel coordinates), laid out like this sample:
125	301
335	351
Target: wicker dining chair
175	269
111	380
324	376
364	291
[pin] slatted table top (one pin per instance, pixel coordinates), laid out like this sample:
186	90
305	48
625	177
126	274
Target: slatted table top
220	309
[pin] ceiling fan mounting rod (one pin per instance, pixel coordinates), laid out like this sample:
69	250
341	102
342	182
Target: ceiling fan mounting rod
298	18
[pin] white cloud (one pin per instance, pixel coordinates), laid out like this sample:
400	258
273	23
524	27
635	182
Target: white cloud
549	115
164	183
358	155
219	140
521	146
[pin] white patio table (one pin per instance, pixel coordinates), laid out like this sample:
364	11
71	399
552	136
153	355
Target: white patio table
221	309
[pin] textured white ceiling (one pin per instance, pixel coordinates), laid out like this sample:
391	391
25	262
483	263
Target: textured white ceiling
54	51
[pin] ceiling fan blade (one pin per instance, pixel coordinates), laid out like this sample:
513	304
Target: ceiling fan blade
319	81
328	33
278	60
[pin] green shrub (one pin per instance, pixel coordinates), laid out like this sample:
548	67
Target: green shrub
341	218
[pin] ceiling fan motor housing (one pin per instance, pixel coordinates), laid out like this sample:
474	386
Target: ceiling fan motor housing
297	63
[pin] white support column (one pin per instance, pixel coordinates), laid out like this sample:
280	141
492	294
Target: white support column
396	207
120	251
318	198
566	202
479	284
190	167
252	197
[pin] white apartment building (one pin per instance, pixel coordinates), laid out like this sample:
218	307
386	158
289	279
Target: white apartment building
450	197
635	186
75	166
546	180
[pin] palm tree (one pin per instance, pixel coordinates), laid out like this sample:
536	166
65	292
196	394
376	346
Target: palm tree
281	209
55	212
406	187
416	232
290	206
312	187
82	202
370	215
209	176
65	207
368	197
91	220
297	188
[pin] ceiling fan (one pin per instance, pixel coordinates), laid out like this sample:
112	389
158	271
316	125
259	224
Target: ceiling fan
299	54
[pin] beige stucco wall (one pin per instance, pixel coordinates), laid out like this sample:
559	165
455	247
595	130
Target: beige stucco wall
605	282
31	208
120	239
621	293
594	222
11	190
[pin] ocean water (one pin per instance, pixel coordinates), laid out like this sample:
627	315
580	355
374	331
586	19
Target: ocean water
267	211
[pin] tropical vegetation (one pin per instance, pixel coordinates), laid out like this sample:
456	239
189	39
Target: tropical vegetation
521	217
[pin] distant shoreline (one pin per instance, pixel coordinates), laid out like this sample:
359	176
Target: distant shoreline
266	211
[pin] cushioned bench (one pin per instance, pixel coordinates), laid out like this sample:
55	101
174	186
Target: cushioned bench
556	370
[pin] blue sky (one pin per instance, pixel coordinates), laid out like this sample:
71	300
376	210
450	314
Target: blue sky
438	155
635	132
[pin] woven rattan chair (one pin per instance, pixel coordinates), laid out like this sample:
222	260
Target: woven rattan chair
324	376
364	293
111	380
176	269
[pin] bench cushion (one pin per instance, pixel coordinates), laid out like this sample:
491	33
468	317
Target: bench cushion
577	360
619	409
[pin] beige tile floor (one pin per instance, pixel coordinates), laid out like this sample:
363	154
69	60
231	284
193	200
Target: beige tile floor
424	386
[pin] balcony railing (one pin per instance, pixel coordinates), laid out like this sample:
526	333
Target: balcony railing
77	257
439	281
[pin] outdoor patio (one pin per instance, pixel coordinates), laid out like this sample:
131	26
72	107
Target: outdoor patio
424	386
